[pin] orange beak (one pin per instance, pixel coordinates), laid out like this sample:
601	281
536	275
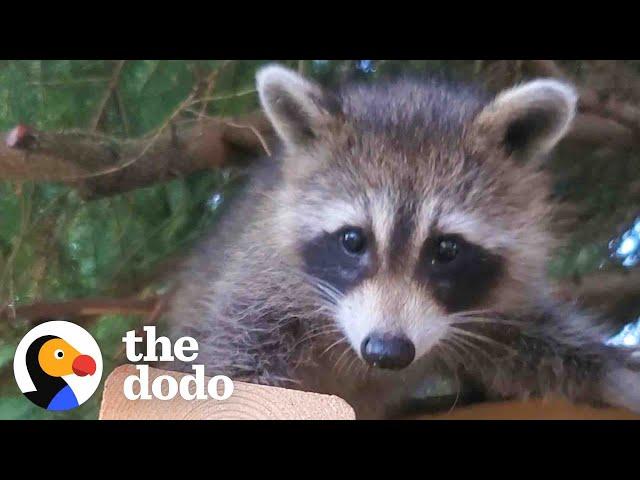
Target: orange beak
84	365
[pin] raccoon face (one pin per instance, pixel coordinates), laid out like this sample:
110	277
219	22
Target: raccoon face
413	203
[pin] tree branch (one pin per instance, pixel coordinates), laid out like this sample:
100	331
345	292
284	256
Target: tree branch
590	131
601	112
88	307
101	166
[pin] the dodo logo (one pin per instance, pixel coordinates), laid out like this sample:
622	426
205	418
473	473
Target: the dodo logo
58	365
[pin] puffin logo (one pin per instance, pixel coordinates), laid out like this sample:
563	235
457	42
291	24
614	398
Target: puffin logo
58	365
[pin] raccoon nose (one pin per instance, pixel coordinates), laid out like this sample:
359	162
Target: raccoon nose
387	350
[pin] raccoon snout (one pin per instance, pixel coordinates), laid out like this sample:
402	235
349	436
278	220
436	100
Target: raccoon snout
387	350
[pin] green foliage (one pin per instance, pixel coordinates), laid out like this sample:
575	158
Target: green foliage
55	246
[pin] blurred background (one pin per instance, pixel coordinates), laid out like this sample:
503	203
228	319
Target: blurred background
110	170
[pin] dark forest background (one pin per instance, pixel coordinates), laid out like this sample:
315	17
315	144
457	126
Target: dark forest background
111	169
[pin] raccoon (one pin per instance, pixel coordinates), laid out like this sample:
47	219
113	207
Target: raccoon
401	229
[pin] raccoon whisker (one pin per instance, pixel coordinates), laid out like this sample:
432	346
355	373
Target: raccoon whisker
359	364
342	340
328	309
454	370
355	364
346	350
471	318
444	354
458	333
339	366
475	347
452	349
366	370
325	295
360	369
315	281
468	348
487	320
317	333
348	363
319	310
332	295
329	287
467	353
352	365
324	330
458	388
322	288
489	316
484	338
469	313
331	302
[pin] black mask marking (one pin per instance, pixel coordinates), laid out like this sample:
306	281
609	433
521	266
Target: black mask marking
325	258
460	283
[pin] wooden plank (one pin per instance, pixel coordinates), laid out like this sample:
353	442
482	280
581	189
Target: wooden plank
271	403
248	402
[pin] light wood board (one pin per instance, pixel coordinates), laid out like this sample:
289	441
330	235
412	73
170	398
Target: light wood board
259	402
248	402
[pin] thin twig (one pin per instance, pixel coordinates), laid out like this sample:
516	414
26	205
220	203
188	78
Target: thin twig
624	114
216	98
67	83
154	138
256	133
211	84
123	112
152	318
111	87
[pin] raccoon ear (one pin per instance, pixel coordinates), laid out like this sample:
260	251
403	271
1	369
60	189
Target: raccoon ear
297	108
530	119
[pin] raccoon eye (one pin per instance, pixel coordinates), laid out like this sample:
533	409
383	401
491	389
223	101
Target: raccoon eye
353	240
447	249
